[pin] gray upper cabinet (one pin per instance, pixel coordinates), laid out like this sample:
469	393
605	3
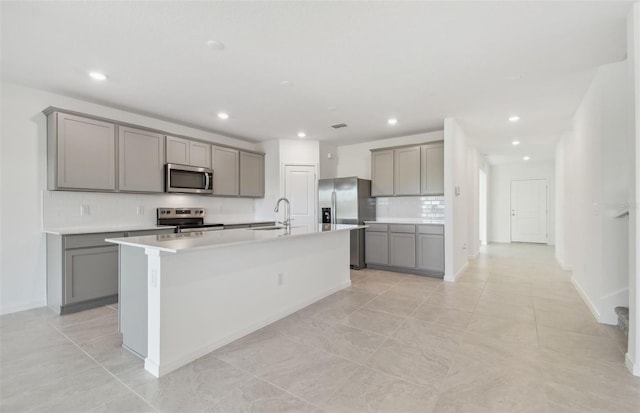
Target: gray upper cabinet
81	153
177	150
226	170
199	154
251	174
141	160
187	152
382	173
406	171
432	169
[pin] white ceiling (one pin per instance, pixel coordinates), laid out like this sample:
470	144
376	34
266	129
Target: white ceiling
417	61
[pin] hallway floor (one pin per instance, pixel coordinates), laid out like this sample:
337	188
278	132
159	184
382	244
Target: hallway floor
512	335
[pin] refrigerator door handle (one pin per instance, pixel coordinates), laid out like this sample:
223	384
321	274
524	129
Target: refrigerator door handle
334	212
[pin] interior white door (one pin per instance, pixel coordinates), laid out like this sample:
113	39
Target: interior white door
301	189
529	210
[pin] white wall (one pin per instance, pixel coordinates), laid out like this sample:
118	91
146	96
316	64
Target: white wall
500	196
355	160
457	207
328	161
633	72
596	167
23	189
562	198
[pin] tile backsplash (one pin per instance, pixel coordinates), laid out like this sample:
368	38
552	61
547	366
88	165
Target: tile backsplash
62	209
422	207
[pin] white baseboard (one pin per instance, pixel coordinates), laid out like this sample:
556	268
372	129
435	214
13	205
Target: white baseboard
633	367
22	307
586	299
168	366
455	277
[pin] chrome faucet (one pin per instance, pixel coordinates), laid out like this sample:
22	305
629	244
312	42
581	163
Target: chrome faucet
287	213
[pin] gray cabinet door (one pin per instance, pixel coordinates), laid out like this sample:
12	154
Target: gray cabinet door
141	160
376	247
402	249
406	174
199	154
251	174
382	173
177	150
90	273
431	253
432	169
86	153
225	165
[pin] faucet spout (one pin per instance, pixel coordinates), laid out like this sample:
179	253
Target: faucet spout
287	212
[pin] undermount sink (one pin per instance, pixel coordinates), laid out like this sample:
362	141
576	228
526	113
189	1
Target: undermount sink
267	228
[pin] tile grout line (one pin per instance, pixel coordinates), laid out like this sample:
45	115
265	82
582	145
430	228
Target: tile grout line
104	368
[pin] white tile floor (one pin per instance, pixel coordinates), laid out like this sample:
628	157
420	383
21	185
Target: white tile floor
511	335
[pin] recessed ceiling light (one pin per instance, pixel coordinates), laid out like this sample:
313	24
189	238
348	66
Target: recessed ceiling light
286	83
97	76
302	135
392	121
514	118
515	143
223	115
215	45
526	158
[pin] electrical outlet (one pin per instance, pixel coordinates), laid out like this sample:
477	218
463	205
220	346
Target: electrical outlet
140	210
85	210
280	279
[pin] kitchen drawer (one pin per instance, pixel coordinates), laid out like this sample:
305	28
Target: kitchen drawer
402	228
431	229
90	240
377	227
145	232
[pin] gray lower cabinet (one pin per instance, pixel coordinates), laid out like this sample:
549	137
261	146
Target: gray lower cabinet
402	250
89	273
82	269
376	247
416	249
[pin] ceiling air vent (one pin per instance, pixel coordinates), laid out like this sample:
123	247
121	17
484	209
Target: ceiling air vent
339	125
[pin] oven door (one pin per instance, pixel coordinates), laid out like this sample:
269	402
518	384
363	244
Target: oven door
188	179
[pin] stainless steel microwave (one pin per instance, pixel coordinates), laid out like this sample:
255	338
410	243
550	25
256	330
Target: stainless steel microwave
188	179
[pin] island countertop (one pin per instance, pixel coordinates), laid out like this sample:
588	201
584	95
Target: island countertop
175	243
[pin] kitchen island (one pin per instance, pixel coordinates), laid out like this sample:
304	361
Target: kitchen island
184	295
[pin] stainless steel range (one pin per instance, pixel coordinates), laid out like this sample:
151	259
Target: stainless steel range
186	219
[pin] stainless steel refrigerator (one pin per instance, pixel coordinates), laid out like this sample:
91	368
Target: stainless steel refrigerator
347	201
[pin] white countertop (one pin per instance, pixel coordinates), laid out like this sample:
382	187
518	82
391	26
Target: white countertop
212	239
104	228
412	221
